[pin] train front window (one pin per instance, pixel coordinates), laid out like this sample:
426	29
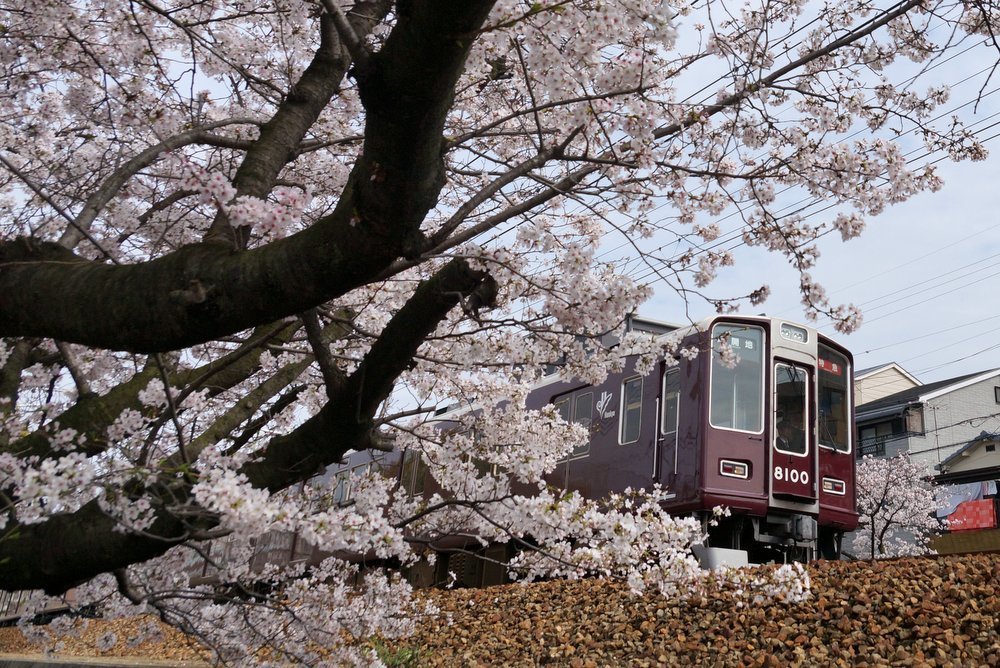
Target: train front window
737	392
834	406
791	424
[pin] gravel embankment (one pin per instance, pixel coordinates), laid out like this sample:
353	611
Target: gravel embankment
909	612
906	612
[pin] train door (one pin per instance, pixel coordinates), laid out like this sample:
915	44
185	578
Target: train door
665	456
793	452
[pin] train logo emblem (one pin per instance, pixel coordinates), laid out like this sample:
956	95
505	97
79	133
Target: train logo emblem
603	404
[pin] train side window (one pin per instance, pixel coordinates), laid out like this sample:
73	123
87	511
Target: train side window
737	385
579	409
583	413
671	401
631	412
834	424
345	482
414	472
341	488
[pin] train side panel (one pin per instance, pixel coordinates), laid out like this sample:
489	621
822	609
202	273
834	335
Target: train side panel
837	456
620	416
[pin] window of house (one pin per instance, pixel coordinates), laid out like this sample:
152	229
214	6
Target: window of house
996	394
631	411
873	439
914	419
671	401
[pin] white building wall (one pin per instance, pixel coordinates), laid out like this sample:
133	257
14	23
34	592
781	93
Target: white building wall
952	420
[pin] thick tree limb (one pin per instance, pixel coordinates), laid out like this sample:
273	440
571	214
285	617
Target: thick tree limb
71	548
281	137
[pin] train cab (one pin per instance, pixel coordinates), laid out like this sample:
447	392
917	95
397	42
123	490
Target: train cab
764	428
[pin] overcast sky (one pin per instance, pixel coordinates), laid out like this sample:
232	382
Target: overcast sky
926	273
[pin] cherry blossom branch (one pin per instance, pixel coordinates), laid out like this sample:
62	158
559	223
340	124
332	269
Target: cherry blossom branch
114	183
852	36
485	193
40	192
333	378
253	427
90	415
249	404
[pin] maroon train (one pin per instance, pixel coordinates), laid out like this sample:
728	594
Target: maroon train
766	431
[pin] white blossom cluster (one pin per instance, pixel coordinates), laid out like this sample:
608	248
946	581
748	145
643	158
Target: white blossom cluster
273	218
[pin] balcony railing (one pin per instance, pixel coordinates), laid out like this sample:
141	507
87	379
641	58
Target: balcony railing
873	445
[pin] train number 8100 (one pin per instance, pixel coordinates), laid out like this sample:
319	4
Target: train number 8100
791	475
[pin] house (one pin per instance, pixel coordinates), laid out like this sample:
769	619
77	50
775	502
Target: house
880	381
953	425
977	460
931	421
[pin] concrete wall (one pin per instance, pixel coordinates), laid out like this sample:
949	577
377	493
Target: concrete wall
951	421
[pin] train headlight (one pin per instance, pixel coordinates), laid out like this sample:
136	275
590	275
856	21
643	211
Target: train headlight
793	333
731	469
834	486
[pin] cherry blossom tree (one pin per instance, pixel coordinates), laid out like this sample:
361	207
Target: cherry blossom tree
242	239
896	507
